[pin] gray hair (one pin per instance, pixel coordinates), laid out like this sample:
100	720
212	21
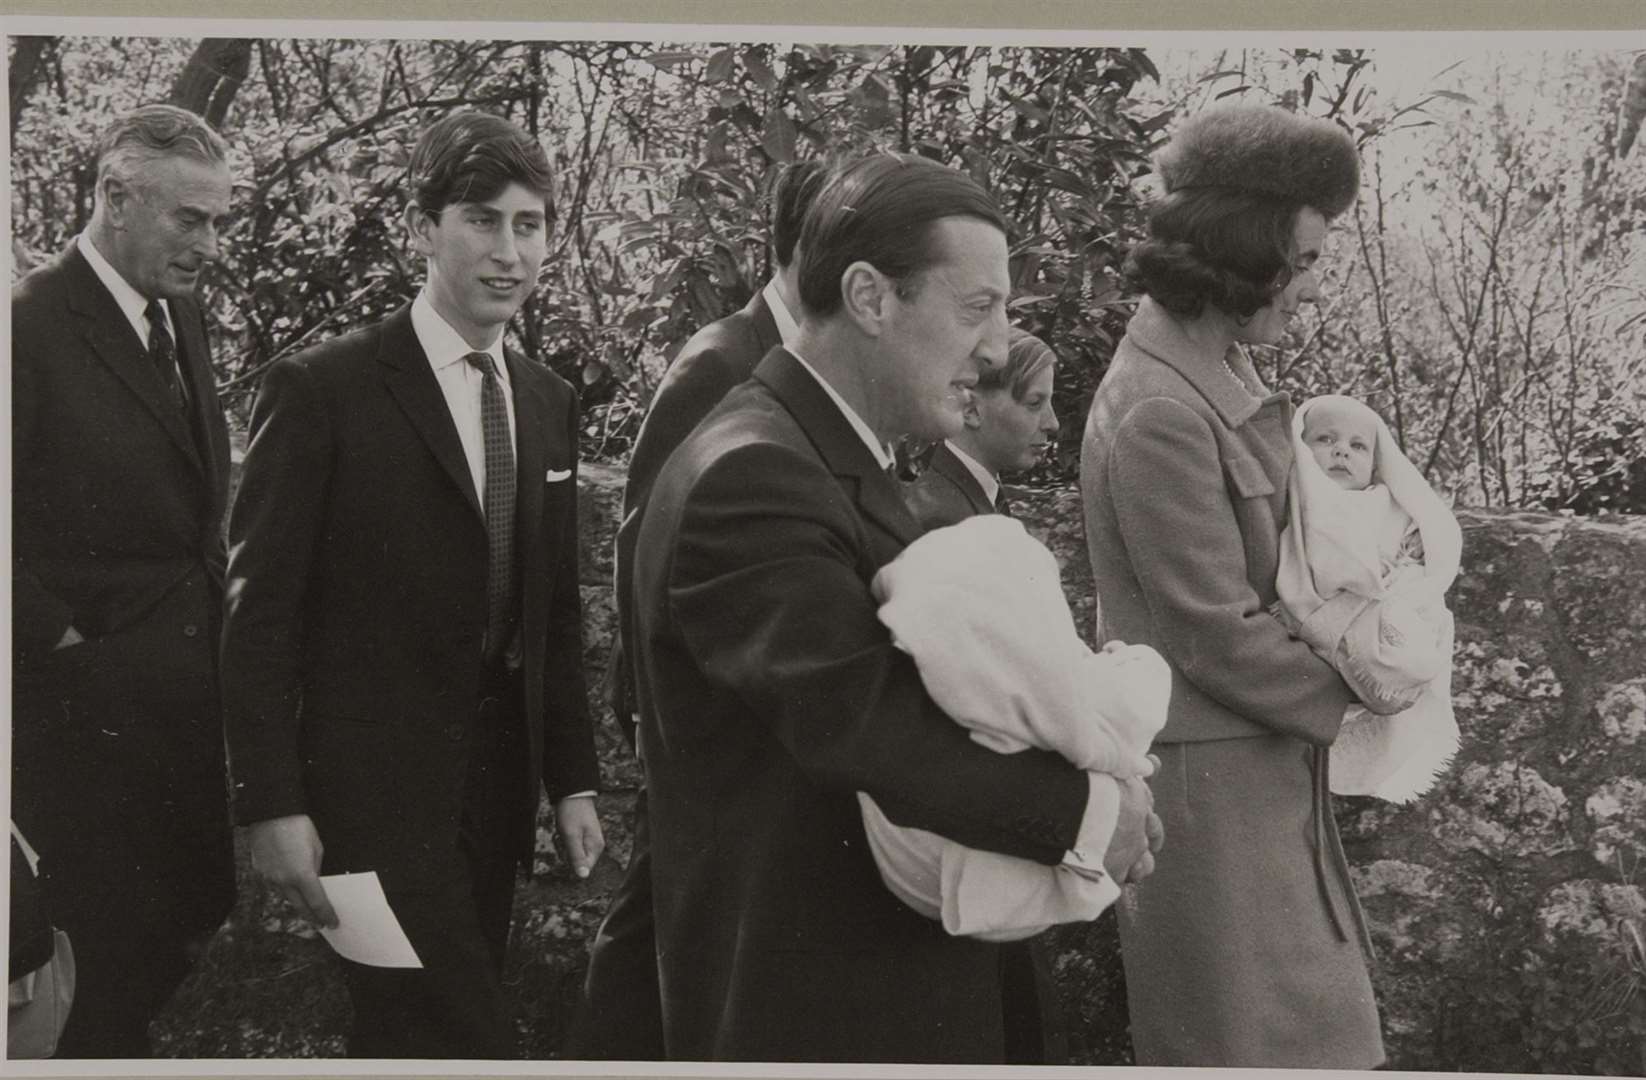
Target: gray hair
151	132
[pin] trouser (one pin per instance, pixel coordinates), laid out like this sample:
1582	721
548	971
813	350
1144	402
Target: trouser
454	1006
620	1017
1033	1021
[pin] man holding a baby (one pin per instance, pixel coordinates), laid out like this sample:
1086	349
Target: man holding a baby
771	694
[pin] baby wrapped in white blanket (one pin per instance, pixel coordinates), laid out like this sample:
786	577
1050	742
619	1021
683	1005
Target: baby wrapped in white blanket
1365	562
980	608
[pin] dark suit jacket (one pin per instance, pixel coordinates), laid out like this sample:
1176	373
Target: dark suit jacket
357	603
117	499
770	693
946	492
718	357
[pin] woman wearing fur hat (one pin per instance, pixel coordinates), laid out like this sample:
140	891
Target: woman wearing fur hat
1247	947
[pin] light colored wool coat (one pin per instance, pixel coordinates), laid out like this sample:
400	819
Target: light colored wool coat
1246	947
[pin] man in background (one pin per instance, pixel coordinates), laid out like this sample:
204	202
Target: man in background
770	694
120	466
621	1016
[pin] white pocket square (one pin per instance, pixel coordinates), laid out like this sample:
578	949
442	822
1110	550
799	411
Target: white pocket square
556	474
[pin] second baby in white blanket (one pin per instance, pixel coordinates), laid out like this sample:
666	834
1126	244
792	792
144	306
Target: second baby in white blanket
1365	562
980	608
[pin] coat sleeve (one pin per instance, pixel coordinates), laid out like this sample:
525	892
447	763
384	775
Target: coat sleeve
39	617
1178	522
768	592
274	531
569	762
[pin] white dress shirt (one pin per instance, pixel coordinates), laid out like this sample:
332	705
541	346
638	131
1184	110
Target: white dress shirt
788	331
133	304
864	432
461	383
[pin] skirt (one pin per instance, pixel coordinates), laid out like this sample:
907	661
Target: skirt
1246	947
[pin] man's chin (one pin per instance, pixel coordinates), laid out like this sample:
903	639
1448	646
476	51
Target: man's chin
938	428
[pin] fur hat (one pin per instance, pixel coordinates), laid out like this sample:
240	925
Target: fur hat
1264	148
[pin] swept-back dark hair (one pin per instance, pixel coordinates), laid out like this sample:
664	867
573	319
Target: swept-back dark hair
792	193
471	156
880	210
1222	246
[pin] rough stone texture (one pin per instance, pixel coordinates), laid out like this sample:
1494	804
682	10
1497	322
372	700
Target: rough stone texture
1506	905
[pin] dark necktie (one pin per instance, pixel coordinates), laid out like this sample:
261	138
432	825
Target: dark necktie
499	504
163	352
1002	505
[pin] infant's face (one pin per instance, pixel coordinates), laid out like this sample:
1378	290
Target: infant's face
1342	441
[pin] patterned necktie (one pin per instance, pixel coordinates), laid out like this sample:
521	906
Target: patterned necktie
499	504
163	352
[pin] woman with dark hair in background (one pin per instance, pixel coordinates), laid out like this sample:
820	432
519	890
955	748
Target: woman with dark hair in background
1247	947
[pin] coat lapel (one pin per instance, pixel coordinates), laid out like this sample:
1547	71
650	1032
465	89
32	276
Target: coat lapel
105	330
532	420
955	471
412	382
194	358
842	450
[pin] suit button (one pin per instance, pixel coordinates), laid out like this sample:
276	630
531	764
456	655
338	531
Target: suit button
190	630
455	732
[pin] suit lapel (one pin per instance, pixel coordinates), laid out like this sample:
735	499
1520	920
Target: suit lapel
105	330
955	471
842	450
532	420
412	382
194	358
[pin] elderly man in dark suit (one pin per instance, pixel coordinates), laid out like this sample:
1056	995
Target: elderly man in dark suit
621	1015
120	463
402	655
770	693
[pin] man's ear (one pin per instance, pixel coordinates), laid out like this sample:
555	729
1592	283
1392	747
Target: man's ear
418	224
865	297
970	414
117	196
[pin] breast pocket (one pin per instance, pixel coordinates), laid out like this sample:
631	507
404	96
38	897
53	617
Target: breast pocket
1259	512
1247	478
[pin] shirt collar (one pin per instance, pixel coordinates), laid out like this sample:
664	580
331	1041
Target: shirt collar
985	479
443	345
864	432
788	331
133	304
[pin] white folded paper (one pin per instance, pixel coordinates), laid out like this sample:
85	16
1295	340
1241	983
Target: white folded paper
367	931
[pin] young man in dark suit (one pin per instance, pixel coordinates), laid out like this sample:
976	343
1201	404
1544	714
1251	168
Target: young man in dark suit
120	464
770	693
621	1015
402	655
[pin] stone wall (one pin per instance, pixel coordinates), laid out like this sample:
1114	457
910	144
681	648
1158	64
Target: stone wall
1506	905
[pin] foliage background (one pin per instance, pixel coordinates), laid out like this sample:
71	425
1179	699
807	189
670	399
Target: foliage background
1487	295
